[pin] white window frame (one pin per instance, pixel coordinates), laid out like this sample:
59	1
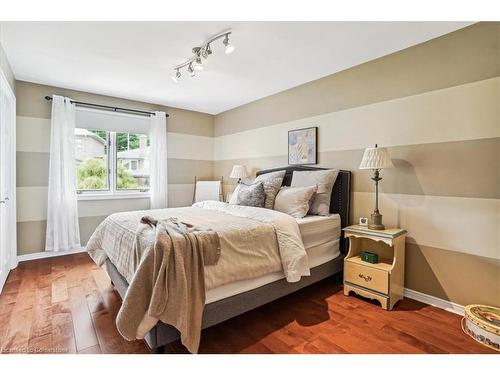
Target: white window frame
112	192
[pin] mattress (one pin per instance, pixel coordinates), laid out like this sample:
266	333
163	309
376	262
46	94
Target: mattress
317	255
321	237
317	230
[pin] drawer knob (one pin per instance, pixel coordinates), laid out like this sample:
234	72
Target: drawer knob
366	278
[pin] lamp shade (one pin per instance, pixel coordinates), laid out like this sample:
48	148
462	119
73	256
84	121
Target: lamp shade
376	158
239	171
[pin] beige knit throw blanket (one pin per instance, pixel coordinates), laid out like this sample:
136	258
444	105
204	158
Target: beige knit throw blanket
169	284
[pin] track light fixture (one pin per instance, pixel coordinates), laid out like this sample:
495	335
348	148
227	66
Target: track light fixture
195	62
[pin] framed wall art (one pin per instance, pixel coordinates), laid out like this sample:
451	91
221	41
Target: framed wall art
302	146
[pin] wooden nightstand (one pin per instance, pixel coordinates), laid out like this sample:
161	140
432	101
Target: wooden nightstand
383	281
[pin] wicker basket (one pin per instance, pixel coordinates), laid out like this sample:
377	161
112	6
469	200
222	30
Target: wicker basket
482	323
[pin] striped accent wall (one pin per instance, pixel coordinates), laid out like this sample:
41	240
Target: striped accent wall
190	153
436	106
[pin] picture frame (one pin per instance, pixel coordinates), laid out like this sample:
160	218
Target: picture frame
303	146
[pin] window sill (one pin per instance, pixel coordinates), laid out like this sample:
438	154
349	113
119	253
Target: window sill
107	196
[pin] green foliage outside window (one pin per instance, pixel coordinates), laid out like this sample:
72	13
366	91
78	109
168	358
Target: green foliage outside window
91	175
100	133
125	180
122	144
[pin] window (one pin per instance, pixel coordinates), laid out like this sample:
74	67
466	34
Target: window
111	163
132	151
92	162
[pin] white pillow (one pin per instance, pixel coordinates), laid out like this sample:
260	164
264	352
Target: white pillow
324	180
234	195
294	201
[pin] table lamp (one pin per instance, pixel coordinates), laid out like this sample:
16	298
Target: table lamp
376	158
239	172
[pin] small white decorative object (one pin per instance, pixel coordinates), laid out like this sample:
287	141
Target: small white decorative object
363	221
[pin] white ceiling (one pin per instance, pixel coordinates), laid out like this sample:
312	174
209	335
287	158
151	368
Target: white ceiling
134	60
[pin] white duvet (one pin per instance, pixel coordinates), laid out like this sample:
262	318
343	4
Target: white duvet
254	241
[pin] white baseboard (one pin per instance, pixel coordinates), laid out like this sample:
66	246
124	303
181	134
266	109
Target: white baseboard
48	254
3	279
434	301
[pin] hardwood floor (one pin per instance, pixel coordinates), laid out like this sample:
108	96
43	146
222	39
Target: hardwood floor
61	305
67	305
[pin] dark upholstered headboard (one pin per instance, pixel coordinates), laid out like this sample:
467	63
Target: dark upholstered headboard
341	193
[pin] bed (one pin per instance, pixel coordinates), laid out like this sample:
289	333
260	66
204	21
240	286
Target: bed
324	245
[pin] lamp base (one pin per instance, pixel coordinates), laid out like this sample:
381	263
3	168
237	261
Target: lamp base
376	222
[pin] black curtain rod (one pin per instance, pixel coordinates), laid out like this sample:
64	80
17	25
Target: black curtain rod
109	108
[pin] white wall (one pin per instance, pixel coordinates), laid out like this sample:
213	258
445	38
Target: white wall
5	66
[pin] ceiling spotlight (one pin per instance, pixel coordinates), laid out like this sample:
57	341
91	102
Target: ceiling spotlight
229	48
204	53
197	64
191	70
177	76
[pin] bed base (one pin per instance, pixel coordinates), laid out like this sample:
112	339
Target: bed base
227	308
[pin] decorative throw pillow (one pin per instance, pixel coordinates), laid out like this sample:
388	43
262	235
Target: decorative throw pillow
294	201
324	180
234	195
272	183
251	195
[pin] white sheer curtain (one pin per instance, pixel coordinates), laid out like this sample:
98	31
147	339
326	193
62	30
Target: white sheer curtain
158	160
63	233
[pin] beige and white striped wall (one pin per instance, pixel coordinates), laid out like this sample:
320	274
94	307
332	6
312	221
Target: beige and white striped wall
190	153
436	106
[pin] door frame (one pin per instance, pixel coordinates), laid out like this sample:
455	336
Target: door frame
11	214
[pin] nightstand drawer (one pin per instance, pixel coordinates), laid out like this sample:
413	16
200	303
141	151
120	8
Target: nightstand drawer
367	277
